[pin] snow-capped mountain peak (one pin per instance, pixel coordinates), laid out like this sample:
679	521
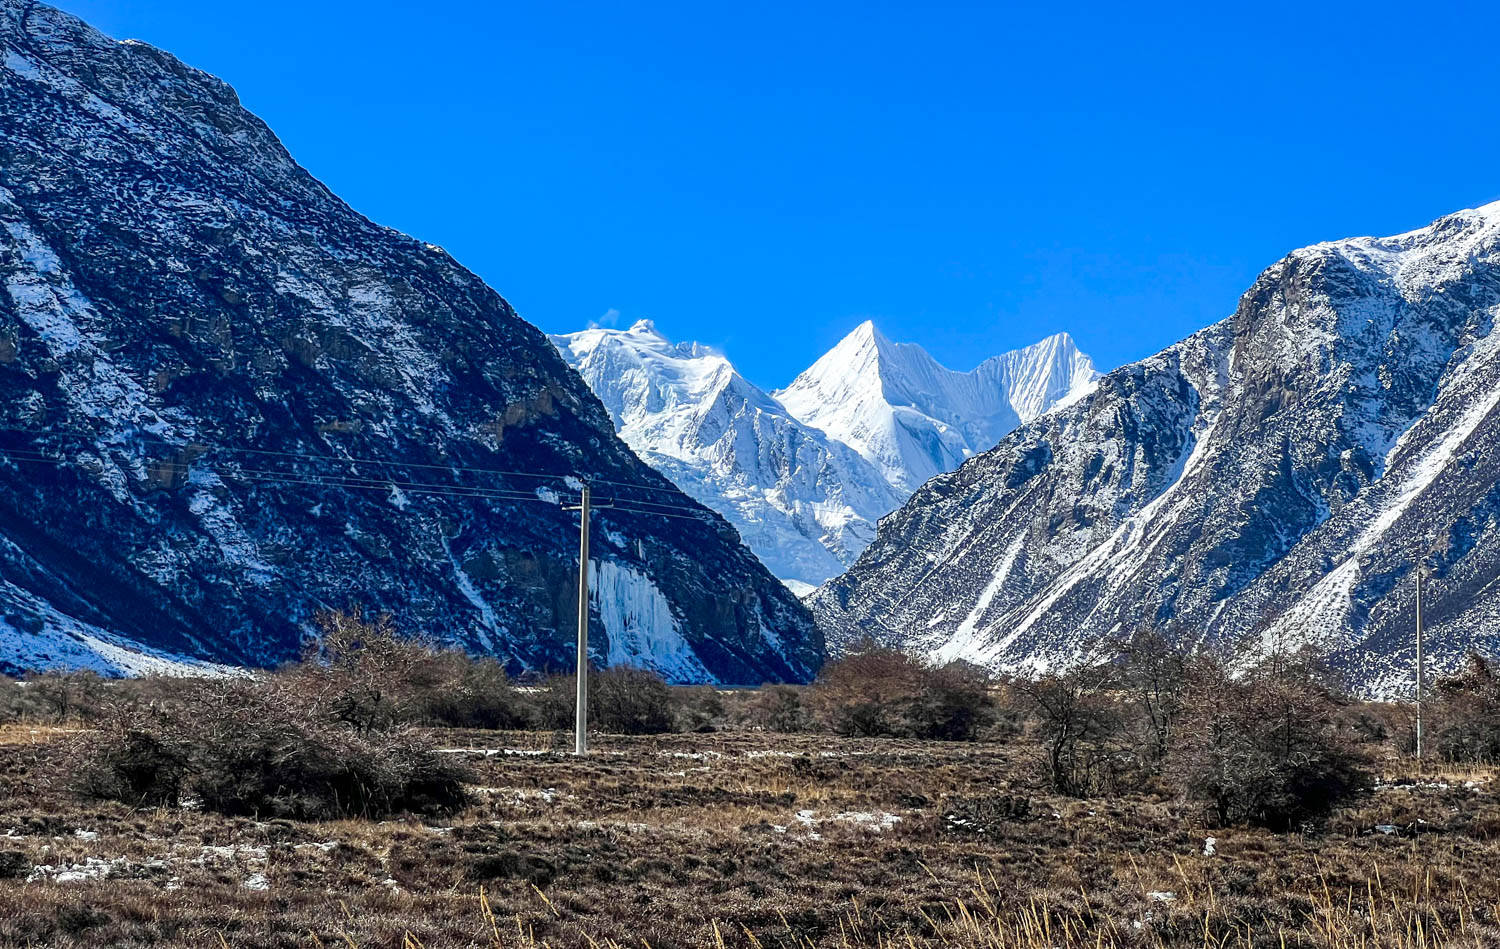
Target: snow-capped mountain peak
912	417
805	504
1271	481
805	493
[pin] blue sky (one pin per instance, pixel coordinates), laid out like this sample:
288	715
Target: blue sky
762	177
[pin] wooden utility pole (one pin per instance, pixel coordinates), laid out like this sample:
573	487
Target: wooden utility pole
581	711
1421	570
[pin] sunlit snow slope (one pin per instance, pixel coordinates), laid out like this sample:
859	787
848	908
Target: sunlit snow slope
913	418
807	505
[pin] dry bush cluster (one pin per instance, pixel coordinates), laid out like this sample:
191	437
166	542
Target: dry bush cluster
325	738
1077	810
1277	744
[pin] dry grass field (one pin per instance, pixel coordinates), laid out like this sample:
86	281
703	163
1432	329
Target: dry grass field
747	839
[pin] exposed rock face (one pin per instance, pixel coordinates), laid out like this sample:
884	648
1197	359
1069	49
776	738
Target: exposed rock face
1273	479
198	344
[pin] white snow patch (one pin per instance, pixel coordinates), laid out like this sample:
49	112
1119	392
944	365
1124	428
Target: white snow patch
639	623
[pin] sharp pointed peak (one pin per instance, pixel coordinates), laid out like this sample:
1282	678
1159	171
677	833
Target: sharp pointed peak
867	330
865	339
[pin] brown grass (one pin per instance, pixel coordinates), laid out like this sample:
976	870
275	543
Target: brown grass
696	840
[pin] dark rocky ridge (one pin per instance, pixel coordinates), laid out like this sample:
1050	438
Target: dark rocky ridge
180	291
1272	479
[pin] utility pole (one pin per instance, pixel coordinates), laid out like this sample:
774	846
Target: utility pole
1421	571
581	710
581	706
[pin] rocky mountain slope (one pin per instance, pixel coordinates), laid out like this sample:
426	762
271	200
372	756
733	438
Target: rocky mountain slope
226	399
1270	481
913	418
805	488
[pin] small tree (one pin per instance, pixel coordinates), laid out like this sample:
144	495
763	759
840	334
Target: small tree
953	703
373	676
1269	747
626	700
630	701
462	691
876	692
68	694
1078	722
1154	677
776	708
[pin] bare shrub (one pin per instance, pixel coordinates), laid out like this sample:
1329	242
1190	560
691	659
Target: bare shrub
1466	714
1078	721
258	748
140	756
626	700
775	708
1270	747
268	755
698	708
67	695
460	691
1154	678
552	707
320	740
882	692
629	700
953	703
370	676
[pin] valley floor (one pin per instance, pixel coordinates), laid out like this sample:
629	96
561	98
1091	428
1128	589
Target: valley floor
747	839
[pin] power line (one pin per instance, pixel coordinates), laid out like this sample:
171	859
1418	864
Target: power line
348	459
329	480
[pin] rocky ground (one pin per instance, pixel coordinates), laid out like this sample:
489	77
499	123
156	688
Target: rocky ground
745	839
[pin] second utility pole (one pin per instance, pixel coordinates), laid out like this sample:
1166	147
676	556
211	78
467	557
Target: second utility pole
1420	571
581	712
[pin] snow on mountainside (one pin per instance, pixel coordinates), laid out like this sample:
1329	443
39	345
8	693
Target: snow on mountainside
912	418
805	504
228	400
804	500
1273	479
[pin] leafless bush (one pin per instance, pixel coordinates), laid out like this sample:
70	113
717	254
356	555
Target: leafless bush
60	695
141	756
1079	722
369	676
322	740
630	701
698	708
460	691
1466	714
1154	677
1269	747
882	692
625	700
775	708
